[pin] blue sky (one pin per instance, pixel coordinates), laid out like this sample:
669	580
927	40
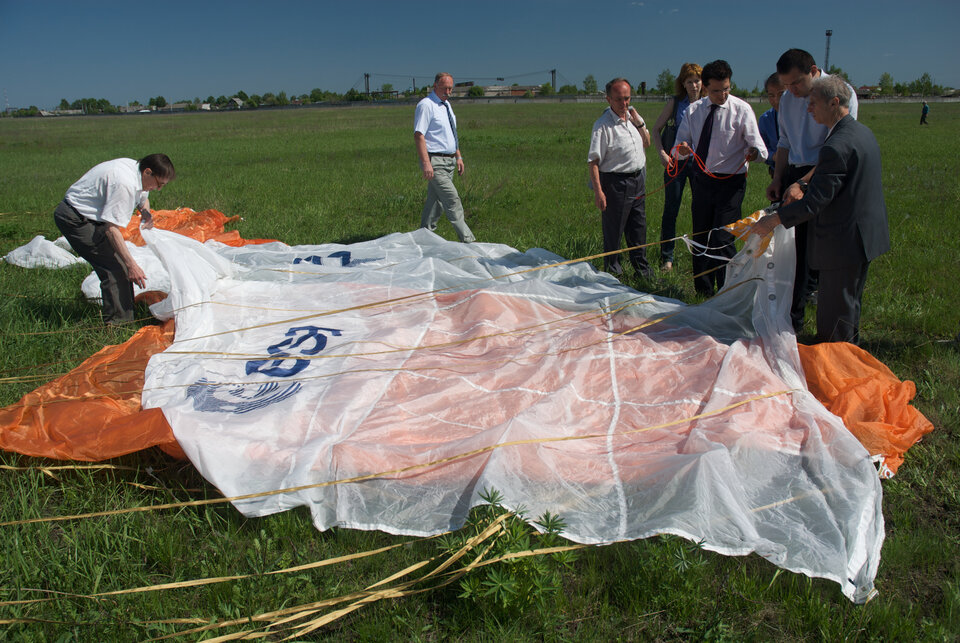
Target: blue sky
135	50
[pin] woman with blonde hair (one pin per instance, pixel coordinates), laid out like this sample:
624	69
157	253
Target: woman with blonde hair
687	89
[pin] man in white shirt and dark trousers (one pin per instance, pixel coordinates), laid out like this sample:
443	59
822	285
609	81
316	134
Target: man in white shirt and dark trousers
438	148
724	131
801	138
618	177
94	212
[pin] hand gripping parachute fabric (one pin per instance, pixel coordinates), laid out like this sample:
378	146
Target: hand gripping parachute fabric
386	384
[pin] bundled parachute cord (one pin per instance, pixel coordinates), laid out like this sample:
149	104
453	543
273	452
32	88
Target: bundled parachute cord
402	470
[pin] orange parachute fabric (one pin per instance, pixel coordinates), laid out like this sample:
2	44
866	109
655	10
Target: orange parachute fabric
873	403
93	412
202	226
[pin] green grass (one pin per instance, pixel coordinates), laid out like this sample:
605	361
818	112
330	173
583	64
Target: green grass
347	174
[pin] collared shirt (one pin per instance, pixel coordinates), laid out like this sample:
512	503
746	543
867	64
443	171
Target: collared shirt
109	192
616	144
433	121
799	133
734	132
769	132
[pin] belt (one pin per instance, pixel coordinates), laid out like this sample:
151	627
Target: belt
622	175
449	156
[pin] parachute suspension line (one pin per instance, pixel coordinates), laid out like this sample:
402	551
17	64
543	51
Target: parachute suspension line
407	469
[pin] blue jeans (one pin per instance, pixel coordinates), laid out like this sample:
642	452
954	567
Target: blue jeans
672	196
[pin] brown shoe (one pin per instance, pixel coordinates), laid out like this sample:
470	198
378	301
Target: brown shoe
667	266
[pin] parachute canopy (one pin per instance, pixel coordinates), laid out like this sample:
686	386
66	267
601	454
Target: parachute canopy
386	384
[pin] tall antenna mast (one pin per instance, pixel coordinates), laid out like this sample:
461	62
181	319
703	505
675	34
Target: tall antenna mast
826	56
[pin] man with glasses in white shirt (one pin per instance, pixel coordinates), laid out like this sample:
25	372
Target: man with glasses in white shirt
438	147
93	214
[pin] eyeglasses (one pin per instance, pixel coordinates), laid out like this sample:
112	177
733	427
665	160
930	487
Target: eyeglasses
160	182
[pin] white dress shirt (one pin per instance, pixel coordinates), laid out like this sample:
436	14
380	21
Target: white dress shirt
432	120
109	192
799	133
616	144
734	132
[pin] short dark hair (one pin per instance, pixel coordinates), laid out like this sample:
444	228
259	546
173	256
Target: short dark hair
797	59
716	70
772	79
159	165
618	80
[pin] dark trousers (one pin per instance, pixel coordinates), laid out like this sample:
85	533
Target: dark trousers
838	304
715	203
672	196
805	278
625	216
89	240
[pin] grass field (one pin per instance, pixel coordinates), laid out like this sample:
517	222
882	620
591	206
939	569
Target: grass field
349	174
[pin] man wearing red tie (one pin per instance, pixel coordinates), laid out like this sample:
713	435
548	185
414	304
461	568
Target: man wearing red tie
724	129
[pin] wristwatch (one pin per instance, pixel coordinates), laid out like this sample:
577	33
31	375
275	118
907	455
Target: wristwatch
803	185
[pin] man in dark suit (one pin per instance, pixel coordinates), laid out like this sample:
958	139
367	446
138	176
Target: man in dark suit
844	204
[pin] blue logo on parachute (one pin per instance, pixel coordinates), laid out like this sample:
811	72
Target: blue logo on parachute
219	398
281	351
284	361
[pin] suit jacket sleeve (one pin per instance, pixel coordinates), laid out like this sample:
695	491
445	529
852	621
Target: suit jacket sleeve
827	180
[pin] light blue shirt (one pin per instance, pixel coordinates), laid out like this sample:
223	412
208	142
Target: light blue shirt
433	121
799	133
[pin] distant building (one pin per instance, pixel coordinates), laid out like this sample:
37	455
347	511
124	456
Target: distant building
498	90
868	91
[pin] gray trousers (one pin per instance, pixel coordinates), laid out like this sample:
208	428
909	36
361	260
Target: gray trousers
442	197
89	240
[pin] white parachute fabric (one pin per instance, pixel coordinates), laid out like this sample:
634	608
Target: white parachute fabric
41	253
413	373
157	278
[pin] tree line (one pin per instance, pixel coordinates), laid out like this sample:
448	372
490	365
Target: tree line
922	86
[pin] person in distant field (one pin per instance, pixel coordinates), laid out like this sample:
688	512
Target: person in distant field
617	162
800	140
438	148
95	210
923	113
687	89
843	203
723	129
769	128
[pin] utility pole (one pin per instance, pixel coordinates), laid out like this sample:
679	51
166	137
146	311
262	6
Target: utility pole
826	56
553	79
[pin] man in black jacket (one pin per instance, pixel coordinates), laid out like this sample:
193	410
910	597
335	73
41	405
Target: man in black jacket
844	204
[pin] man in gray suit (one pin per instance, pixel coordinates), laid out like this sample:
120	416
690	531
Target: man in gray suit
844	204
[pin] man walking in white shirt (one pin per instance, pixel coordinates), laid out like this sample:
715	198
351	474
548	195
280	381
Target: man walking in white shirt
438	147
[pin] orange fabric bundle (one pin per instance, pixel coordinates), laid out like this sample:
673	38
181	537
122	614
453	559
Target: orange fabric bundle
873	403
201	226
93	412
